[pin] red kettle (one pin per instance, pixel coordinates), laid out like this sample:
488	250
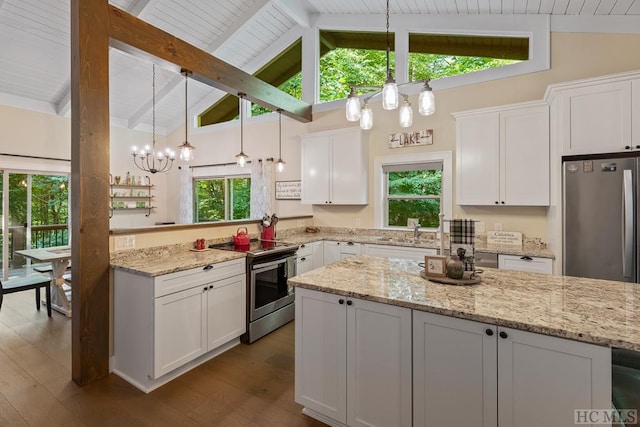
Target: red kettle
242	237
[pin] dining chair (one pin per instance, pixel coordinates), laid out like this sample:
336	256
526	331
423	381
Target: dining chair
35	281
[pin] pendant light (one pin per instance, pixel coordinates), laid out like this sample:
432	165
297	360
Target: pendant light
186	149
241	158
148	159
280	163
390	97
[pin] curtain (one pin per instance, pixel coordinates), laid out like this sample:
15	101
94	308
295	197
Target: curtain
262	194
186	196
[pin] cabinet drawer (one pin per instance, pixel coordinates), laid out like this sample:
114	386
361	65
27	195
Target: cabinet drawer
524	263
304	250
181	280
388	251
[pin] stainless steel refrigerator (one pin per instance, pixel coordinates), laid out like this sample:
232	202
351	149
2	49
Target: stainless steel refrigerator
600	218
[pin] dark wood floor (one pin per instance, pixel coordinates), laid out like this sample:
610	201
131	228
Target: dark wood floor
246	386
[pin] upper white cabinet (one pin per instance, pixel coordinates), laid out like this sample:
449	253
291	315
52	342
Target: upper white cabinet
335	168
598	118
503	156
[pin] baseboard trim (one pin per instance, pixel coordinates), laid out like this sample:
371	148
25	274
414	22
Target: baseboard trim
322	418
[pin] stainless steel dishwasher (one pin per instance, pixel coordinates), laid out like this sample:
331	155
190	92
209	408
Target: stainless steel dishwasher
486	259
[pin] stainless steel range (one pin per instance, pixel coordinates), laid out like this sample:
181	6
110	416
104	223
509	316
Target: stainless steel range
270	299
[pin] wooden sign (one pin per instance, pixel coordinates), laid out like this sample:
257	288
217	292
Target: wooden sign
410	139
288	190
507	238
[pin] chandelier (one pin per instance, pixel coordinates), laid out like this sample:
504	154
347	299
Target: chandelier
390	98
148	159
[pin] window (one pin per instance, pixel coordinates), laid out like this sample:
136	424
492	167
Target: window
413	186
413	191
222	198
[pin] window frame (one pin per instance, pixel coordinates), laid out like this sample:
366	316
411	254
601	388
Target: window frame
381	207
228	196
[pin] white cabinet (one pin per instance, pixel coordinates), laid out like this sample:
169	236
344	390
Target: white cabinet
335	168
317	254
353	360
388	251
525	263
598	118
165	325
635	114
503	156
304	260
336	251
465	370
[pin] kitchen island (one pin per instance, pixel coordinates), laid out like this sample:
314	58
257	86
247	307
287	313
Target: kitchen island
376	343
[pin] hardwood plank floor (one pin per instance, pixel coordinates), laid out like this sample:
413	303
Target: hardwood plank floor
249	385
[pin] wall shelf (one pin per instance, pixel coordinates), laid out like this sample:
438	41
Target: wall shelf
130	197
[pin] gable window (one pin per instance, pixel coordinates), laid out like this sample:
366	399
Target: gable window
413	186
221	198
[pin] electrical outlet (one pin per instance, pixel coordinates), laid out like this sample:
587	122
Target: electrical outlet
480	227
358	223
125	242
497	226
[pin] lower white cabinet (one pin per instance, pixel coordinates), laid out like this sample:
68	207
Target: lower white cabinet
388	251
336	251
317	254
470	373
164	323
304	260
525	263
353	360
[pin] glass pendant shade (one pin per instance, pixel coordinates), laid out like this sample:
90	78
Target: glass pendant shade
241	159
186	151
353	107
390	94
280	165
366	118
427	102
406	114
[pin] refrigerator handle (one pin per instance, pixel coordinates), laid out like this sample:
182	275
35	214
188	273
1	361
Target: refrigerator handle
627	224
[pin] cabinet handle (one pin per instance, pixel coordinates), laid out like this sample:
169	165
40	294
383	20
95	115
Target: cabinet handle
627	147
303	259
503	334
210	287
637	146
207	267
340	301
302	246
205	289
526	258
502	202
350	243
496	202
488	331
349	302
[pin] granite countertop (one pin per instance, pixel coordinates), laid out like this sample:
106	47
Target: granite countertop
525	250
162	262
594	311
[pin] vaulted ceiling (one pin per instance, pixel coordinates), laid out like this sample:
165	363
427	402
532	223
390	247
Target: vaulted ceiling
35	48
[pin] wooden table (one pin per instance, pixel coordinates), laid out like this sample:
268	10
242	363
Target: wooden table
59	257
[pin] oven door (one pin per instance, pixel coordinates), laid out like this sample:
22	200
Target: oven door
269	290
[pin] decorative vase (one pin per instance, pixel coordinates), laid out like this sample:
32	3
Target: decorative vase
455	267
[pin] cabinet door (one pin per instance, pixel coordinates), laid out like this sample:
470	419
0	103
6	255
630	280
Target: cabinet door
538	371
454	372
478	159
315	169
598	118
524	163
378	364
180	333
321	353
331	252
349	167
227	304
317	253
635	113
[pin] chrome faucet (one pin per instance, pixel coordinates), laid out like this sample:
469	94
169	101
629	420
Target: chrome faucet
416	230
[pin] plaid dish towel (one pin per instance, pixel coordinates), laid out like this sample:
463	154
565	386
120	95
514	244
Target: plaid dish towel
462	231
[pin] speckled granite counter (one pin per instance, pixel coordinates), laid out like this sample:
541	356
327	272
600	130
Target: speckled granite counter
164	262
594	311
358	237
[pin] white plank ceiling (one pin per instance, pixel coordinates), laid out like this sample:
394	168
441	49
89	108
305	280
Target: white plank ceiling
35	44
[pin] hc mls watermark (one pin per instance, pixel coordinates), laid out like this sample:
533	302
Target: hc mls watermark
605	416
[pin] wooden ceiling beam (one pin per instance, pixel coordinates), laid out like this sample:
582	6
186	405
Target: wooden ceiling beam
137	37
